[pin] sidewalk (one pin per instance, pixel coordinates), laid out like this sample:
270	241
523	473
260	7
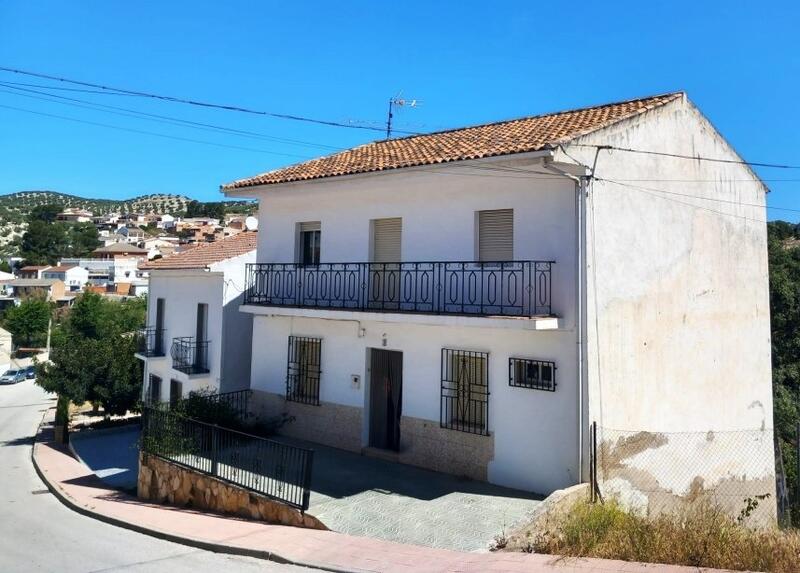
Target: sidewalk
77	487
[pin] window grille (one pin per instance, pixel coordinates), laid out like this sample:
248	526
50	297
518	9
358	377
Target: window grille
533	374
465	391
303	370
175	391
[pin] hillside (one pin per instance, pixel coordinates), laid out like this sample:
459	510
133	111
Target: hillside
14	208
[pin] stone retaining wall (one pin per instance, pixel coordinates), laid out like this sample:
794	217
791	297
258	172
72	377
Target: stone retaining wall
165	482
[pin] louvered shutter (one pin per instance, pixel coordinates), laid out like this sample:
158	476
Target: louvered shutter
310	226
496	235
387	236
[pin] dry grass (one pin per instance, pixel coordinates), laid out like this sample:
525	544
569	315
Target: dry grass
701	536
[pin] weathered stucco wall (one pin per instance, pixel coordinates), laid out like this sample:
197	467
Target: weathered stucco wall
164	482
678	300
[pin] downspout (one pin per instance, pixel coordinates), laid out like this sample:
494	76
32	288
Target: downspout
581	189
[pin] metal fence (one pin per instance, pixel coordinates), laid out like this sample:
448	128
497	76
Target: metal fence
659	472
505	288
274	469
150	341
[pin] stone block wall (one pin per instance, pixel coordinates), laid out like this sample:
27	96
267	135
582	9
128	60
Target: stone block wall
423	443
165	482
329	424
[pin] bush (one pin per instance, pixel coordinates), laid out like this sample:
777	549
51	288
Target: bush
703	535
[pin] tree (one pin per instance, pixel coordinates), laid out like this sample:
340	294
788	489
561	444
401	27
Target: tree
92	355
5	267
82	239
29	321
44	213
44	243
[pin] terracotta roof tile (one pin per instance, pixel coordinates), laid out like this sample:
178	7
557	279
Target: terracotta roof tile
501	138
205	254
61	268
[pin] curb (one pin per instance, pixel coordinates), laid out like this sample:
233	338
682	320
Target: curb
163	535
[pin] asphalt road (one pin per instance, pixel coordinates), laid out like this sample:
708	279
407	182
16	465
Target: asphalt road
37	533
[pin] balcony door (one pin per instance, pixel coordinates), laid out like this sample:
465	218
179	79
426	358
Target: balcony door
201	335
385	398
384	276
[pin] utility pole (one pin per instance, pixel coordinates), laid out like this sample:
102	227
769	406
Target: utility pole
397	101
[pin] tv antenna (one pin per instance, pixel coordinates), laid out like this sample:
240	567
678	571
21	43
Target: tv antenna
398	101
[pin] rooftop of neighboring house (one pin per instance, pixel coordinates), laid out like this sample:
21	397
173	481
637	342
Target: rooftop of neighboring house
33	282
204	255
31	268
61	268
121	248
523	135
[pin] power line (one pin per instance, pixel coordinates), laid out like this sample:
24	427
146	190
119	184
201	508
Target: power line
718	200
153	133
680	156
156	117
227	107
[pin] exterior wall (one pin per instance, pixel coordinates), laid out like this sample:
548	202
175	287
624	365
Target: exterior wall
438	208
237	327
182	291
678	301
533	441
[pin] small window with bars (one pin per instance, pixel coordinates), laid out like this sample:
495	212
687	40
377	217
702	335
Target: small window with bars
303	371
533	374
154	390
465	391
175	391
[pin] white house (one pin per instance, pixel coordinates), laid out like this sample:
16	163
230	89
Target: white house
196	338
73	276
470	301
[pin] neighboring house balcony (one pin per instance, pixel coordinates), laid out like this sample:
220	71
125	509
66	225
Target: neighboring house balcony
150	342
190	355
519	289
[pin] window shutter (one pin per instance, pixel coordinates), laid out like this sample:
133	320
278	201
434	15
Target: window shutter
310	226
387	235
496	235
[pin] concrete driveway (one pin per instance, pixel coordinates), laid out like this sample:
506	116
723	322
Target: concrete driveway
385	500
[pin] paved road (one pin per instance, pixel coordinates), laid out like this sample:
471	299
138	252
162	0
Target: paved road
37	533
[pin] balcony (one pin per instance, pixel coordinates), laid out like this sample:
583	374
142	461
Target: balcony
189	355
150	342
502	288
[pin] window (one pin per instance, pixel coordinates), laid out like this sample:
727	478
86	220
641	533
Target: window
495	235
310	235
465	391
533	374
303	370
175	391
154	390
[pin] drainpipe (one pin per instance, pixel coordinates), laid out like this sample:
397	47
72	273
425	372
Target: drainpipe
581	191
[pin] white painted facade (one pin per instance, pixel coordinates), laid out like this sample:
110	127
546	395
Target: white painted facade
228	331
74	278
660	298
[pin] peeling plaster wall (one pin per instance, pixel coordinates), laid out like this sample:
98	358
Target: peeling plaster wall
677	297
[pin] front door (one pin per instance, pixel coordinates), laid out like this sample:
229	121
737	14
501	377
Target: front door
386	398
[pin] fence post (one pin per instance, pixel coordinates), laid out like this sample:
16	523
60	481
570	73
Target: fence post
214	449
307	480
592	462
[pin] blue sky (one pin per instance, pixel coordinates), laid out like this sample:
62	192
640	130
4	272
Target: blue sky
469	62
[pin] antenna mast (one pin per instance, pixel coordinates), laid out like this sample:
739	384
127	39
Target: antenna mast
397	101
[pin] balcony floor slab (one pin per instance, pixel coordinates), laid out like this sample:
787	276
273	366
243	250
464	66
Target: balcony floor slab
513	322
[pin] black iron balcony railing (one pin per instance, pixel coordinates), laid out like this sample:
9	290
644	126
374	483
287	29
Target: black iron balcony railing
151	341
189	355
503	288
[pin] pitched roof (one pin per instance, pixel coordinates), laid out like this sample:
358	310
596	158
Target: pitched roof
32	282
121	248
35	268
501	138
206	254
60	268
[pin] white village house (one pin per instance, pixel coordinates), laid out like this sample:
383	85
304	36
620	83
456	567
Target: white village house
73	276
472	300
196	337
